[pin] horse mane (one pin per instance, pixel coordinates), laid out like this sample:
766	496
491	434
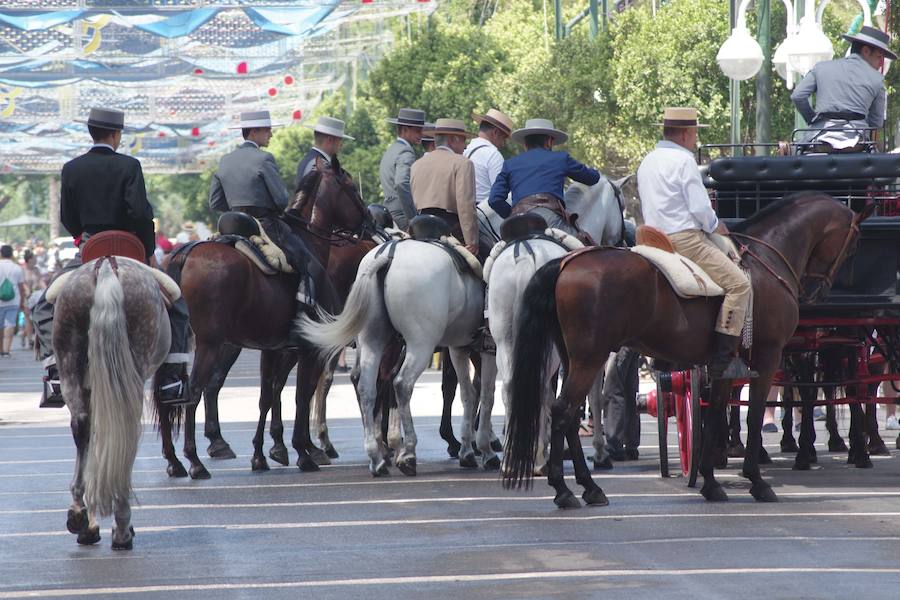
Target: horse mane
775	207
306	189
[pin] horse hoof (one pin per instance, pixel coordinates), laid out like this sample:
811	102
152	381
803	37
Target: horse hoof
280	455
492	464
789	445
259	463
566	500
762	492
603	465
863	463
127	544
76	520
219	449
379	470
595	497
176	469
307	464
879	449
713	492
468	461
454	447
764	458
319	457
837	445
496	445
541	471
407	467
89	535
330	452
736	451
200	472
801	464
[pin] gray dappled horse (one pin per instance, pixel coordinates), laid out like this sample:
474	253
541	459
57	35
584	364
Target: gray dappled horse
111	333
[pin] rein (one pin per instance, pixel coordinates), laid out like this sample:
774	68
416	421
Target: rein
746	250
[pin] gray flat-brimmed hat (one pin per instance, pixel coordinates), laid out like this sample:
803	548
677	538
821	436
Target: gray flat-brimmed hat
428	132
876	38
539	127
106	118
255	118
330	126
411	117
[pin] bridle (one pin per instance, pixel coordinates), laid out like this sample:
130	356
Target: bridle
336	235
827	278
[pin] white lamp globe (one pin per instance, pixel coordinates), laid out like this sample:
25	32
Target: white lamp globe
781	63
740	57
811	46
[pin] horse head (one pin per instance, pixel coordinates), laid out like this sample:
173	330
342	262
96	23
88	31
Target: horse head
599	208
329	200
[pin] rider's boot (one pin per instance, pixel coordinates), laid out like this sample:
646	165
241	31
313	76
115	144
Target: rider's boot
52	396
173	389
305	302
726	363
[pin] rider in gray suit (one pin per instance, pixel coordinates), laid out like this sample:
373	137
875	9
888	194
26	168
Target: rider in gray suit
248	181
396	164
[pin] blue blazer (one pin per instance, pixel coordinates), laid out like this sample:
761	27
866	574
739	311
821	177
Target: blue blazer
537	171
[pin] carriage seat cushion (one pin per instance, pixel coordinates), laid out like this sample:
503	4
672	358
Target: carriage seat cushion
167	286
820	168
687	279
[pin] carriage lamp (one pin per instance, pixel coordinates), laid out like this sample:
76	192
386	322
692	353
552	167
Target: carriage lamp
741	56
780	60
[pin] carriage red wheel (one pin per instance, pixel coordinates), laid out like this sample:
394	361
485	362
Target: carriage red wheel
687	417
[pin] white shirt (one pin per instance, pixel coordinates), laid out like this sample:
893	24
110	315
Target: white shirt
323	154
400	139
673	198
488	162
103	146
12	271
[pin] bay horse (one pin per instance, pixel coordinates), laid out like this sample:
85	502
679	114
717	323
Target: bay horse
234	304
111	332
603	299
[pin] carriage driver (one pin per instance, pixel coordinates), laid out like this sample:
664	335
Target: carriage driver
102	190
849	91
674	201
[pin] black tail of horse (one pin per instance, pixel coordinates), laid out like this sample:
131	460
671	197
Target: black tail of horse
537	328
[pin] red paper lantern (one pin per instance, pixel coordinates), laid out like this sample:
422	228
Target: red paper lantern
242	68
297	115
367	1
198	71
195	132
161	134
210	143
273	92
288	80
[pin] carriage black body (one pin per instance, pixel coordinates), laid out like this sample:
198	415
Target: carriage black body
859	320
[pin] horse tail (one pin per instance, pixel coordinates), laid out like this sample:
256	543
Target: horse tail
117	394
332	333
537	327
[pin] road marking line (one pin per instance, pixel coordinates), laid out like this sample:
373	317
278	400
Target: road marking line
543	518
444	579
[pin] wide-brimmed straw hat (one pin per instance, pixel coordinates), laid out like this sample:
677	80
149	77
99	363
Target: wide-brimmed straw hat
330	126
106	118
450	127
539	127
495	118
255	118
681	117
411	117
871	36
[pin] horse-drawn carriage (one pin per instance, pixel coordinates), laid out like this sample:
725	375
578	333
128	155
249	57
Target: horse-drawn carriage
844	345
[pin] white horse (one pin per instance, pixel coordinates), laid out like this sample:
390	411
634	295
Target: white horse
419	294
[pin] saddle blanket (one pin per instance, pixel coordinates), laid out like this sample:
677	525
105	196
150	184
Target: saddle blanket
687	279
170	290
558	236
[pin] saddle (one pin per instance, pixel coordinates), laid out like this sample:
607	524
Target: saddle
428	228
427	231
113	243
519	227
519	236
245	234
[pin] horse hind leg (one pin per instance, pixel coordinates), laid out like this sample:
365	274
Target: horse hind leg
204	364
78	521
123	532
449	382
279	452
485	438
218	447
320	424
414	364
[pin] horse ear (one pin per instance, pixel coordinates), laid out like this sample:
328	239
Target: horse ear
865	213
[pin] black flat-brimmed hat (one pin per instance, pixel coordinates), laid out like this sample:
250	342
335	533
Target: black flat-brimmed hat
410	117
871	36
106	118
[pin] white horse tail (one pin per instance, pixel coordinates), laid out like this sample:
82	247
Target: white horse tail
333	333
117	393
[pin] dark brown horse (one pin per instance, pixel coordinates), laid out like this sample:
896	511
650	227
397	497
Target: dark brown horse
603	299
233	304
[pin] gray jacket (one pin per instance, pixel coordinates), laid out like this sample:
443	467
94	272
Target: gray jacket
395	166
842	85
248	176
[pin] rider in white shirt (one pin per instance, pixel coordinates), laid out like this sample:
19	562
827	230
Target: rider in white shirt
494	128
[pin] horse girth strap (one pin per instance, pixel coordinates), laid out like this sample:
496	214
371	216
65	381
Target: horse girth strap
744	249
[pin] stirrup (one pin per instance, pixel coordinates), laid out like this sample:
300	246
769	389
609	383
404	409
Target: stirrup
735	369
172	392
52	394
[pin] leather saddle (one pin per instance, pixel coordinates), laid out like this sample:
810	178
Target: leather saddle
433	230
428	228
244	234
113	243
520	227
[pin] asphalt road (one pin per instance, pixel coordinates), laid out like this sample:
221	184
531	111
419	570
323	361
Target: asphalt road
447	533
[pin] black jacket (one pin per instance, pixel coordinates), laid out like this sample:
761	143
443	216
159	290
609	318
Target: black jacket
103	190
